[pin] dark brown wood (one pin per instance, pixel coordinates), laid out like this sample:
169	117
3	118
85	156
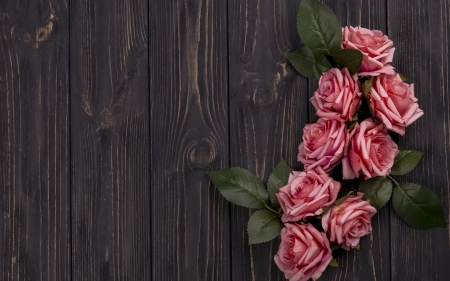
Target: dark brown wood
189	133
372	262
34	141
421	33
111	237
268	109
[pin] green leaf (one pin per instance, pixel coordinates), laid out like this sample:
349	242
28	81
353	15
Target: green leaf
366	86
418	206
333	263
307	63
405	162
318	27
340	200
263	226
404	79
352	59
278	178
240	187
378	190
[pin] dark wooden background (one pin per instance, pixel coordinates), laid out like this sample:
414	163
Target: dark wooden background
111	112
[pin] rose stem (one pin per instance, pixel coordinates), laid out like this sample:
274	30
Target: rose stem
392	179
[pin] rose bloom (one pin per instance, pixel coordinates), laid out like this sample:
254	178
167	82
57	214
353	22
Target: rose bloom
304	252
376	48
306	193
338	95
323	144
349	221
371	152
394	103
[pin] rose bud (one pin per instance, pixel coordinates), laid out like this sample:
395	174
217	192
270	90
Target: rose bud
323	144
306	193
371	151
304	252
393	102
376	48
338	95
349	221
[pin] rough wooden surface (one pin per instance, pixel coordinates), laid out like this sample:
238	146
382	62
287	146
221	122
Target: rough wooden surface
34	141
112	111
421	31
189	133
110	140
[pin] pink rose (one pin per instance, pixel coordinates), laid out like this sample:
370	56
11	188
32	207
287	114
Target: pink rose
306	193
338	95
371	151
394	103
376	48
323	144
349	221
304	252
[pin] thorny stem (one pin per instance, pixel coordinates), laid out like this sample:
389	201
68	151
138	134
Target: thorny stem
392	179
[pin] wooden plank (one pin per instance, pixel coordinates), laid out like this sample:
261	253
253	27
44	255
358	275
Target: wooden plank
420	30
268	109
34	141
110	140
372	262
189	135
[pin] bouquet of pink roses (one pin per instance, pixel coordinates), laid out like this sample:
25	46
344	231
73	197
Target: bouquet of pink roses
360	99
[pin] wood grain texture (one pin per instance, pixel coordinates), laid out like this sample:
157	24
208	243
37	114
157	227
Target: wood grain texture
189	133
268	110
34	146
421	33
110	140
372	262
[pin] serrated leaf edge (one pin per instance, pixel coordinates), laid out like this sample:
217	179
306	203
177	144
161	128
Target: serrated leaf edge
267	222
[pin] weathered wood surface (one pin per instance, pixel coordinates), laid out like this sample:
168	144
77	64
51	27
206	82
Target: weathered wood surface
111	112
35	225
110	194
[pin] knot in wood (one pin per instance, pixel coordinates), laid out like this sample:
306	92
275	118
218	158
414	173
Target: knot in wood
263	95
202	153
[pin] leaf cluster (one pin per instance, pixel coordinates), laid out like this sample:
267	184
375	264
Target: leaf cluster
321	32
242	188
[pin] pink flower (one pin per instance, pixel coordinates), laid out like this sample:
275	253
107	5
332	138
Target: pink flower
376	48
306	193
349	221
323	144
371	151
304	252
394	103
338	95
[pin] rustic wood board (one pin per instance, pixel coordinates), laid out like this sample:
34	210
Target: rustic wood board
34	141
268	109
421	31
110	140
189	135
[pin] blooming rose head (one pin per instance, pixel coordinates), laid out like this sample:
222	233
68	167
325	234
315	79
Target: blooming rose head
394	103
371	151
304	252
376	48
306	193
349	221
323	144
338	95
